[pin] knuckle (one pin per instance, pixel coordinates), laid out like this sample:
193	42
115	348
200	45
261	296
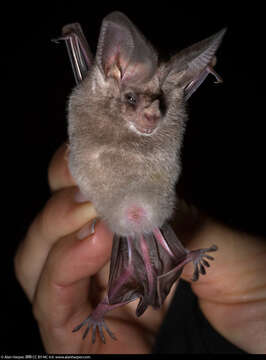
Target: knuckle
58	173
22	273
56	217
53	166
20	263
37	311
47	217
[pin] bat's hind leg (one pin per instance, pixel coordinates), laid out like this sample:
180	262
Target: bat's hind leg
198	257
117	293
95	321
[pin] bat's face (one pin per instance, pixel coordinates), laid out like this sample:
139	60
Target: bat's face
127	94
142	110
107	106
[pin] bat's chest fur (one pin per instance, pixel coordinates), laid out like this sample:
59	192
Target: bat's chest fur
131	192
118	170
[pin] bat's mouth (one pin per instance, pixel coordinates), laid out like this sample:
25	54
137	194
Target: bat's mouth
146	131
141	130
145	123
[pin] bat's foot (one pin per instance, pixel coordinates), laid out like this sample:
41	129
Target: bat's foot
95	324
199	260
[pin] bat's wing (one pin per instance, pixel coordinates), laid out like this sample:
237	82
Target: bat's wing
195	84
190	66
145	267
202	62
123	285
135	266
78	50
166	281
168	239
174	259
177	258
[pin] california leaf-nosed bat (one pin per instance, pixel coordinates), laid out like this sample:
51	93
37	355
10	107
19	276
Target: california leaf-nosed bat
126	120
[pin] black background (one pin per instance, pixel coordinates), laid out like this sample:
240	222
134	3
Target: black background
224	147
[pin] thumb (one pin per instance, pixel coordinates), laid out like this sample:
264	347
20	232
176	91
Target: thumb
63	287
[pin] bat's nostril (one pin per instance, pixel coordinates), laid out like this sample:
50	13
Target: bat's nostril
151	118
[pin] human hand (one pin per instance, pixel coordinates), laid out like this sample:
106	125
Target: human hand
232	295
64	276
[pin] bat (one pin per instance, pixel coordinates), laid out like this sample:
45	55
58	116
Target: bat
78	50
126	121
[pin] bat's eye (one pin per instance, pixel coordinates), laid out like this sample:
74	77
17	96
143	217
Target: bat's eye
131	98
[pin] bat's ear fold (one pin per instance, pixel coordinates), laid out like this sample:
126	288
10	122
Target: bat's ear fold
123	53
189	67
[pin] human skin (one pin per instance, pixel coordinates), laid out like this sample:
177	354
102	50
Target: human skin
64	277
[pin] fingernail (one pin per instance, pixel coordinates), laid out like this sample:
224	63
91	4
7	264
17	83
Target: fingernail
80	197
87	230
85	212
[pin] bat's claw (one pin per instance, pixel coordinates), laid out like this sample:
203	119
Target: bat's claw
199	260
218	78
95	325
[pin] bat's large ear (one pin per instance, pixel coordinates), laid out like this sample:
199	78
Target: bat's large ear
123	52
189	68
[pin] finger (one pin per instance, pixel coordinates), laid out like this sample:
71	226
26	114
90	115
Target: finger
61	215
63	288
58	172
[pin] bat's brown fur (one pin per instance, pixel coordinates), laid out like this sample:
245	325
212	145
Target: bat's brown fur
121	168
